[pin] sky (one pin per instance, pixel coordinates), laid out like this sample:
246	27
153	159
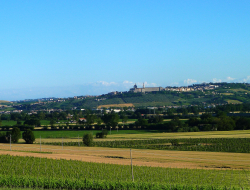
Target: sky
68	48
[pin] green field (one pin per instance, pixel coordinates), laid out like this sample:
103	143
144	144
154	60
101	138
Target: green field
144	134
46	173
234	102
74	134
8	123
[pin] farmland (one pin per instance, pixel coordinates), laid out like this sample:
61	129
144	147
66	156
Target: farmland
77	174
116	105
81	167
143	134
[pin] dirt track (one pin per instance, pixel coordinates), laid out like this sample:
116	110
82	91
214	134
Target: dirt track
157	158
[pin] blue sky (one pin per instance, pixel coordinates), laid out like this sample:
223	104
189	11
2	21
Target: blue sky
66	48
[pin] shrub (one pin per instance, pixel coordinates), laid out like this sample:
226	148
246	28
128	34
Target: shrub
88	139
15	135
3	138
175	142
53	127
28	136
103	134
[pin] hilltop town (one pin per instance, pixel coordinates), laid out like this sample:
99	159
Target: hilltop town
194	87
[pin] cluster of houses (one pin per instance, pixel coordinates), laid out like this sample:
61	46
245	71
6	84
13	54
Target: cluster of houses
194	87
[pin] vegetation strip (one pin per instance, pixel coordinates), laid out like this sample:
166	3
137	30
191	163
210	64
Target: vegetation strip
17	171
238	145
52	183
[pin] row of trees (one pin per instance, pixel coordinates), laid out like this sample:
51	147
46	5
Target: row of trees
14	136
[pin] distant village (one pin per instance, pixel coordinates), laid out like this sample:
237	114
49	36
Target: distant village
194	87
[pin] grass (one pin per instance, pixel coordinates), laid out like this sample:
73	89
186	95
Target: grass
74	134
8	123
47	122
144	134
116	105
239	90
40	152
234	102
227	94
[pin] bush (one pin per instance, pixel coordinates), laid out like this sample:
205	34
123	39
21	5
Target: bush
88	139
103	134
53	127
3	138
15	135
175	142
28	136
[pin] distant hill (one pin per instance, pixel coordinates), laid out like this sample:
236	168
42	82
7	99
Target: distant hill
4	101
226	93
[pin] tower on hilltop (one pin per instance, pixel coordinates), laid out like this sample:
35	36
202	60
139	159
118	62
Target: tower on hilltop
135	86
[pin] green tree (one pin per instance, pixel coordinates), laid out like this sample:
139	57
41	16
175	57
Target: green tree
90	119
19	122
124	119
28	136
111	119
41	115
52	122
88	139
33	121
225	124
15	135
99	121
3	138
141	122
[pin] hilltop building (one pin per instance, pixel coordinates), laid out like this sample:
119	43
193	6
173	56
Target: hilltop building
194	87
145	89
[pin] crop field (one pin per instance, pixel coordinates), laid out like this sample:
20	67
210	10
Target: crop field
141	157
240	145
227	94
142	134
66	165
33	171
75	136
116	105
234	102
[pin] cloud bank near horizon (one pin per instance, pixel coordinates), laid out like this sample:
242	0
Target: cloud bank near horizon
95	88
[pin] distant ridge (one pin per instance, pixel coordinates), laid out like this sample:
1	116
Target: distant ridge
4	101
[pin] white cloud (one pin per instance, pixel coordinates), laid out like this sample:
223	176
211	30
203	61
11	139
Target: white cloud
174	84
104	83
247	79
127	82
189	81
230	78
217	80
